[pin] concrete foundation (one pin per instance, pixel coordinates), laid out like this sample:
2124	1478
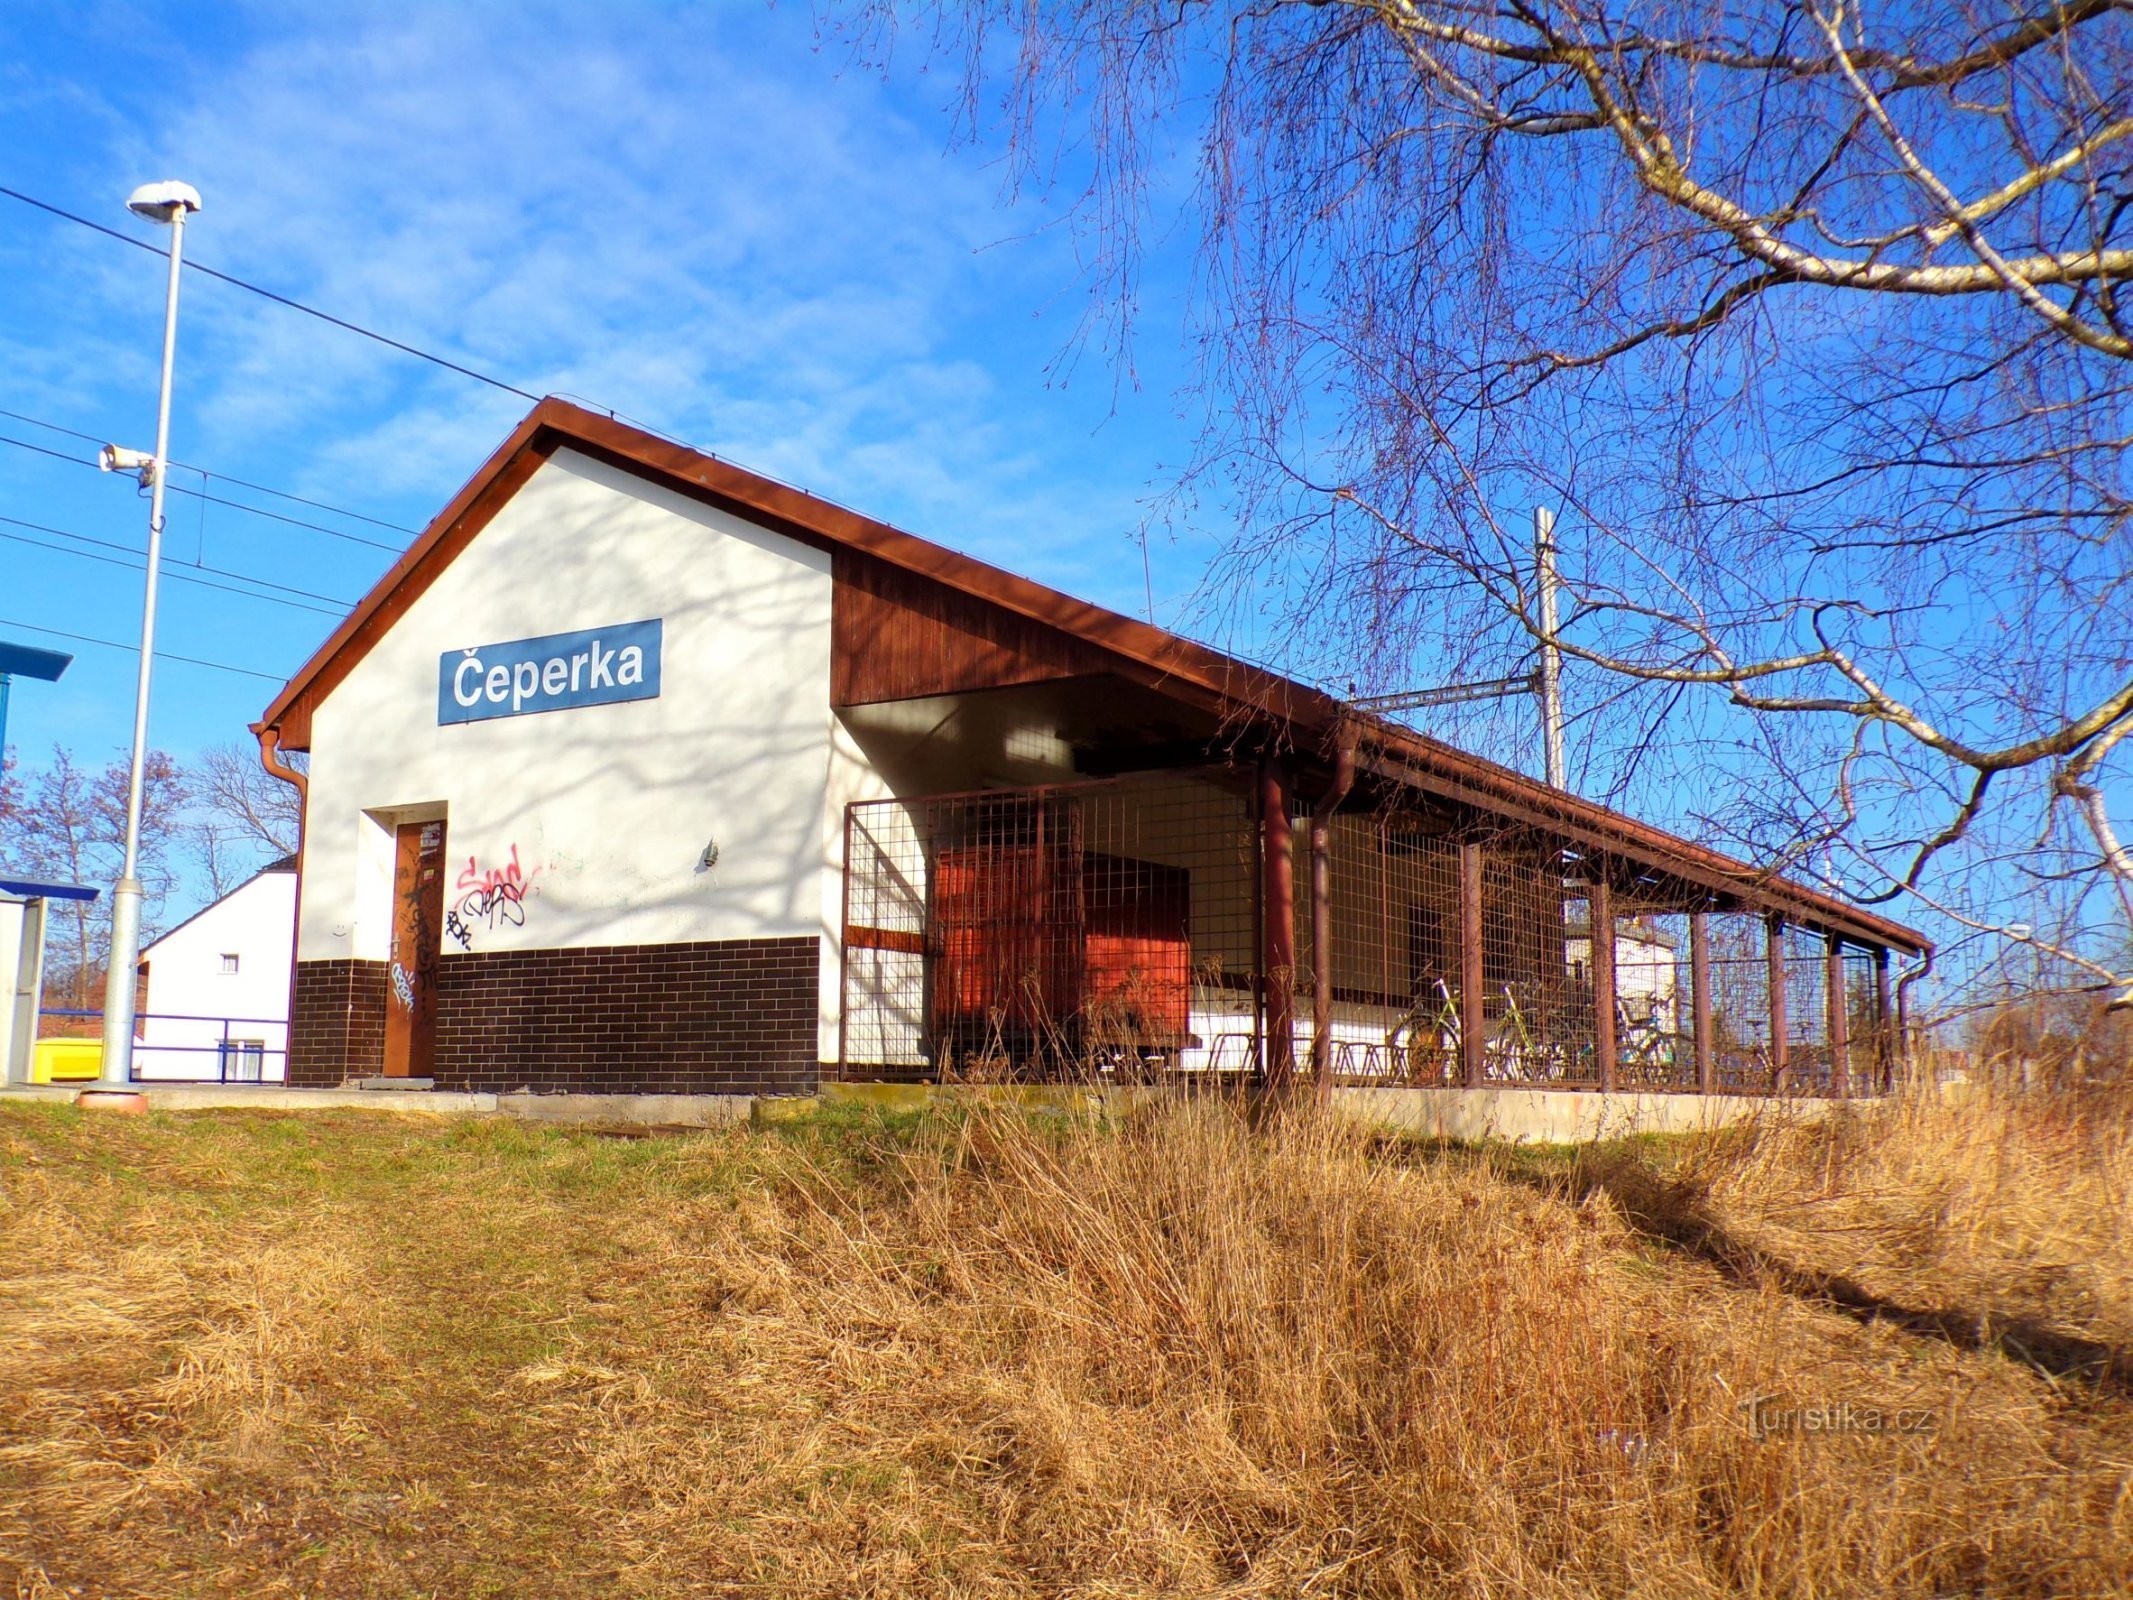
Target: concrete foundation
1086	1099
631	1110
1556	1116
593	1110
1533	1116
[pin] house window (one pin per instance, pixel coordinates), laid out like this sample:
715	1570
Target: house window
243	1060
229	961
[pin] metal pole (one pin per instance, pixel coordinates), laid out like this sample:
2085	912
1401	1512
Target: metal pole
5	680
1600	916
1551	658
1277	908
1473	972
1700	1000
1780	1015
126	893
1322	912
1840	1050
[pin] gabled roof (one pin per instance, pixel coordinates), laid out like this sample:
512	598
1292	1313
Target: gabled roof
280	864
1307	719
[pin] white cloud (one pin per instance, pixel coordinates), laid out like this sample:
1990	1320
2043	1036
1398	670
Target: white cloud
676	214
685	213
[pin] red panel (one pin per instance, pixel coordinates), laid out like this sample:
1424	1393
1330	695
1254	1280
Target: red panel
1037	943
1007	936
1138	949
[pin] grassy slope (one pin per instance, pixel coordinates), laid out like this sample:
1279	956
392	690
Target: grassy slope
366	1355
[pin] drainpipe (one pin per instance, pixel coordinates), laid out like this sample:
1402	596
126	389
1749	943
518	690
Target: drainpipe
1322	910
270	757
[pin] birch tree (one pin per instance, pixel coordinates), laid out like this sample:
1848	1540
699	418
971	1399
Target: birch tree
1804	315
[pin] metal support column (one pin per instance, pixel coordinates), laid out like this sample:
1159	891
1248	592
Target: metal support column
1473	1030
1780	1025
1700	998
1840	1048
1277	940
1600	914
1322	913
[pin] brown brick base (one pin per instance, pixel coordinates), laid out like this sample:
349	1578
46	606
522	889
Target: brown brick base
336	1022
728	1017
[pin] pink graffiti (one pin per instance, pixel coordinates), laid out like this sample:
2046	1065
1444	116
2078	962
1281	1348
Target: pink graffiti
512	880
493	898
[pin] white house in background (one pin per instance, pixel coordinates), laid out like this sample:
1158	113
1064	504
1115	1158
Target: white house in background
216	1001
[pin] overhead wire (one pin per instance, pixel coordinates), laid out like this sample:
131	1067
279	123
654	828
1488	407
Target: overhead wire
276	516
202	494
203	566
278	299
174	568
342	322
169	572
223	500
161	655
352	327
257	488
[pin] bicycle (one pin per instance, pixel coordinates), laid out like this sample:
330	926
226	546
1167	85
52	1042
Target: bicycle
1527	1056
1644	1048
1438	1058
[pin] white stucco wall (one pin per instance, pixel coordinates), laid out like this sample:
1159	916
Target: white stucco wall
852	777
193	1004
606	810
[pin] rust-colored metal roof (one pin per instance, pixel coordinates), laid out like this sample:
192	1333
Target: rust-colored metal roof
1152	655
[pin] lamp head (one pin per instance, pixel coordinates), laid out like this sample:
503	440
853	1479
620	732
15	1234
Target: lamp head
163	202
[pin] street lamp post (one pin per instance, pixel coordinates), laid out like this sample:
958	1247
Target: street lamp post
170	204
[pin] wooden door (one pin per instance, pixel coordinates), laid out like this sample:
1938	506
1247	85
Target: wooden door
411	976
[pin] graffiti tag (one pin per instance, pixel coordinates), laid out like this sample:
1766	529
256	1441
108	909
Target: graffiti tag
490	897
403	987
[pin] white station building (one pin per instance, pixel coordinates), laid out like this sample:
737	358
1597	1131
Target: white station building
588	764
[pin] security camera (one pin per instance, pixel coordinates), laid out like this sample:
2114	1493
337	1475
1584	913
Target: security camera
117	458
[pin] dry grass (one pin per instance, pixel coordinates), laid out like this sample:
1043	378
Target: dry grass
990	1356
2012	1212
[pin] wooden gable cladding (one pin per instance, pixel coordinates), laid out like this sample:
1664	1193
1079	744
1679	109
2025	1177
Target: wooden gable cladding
899	635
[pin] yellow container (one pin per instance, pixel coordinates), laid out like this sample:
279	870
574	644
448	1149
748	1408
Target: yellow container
67	1060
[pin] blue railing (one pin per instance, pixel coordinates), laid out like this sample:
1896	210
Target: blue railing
232	1050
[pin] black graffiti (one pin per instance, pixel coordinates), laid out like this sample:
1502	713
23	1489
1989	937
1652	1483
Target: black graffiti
496	905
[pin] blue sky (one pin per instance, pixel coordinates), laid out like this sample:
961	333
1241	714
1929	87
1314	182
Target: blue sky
703	217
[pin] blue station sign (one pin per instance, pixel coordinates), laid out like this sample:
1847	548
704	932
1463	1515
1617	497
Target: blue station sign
592	667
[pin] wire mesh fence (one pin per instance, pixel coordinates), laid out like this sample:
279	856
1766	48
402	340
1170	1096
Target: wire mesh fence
1740	1027
1808	1058
1654	990
1103	928
1114	929
1394	949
